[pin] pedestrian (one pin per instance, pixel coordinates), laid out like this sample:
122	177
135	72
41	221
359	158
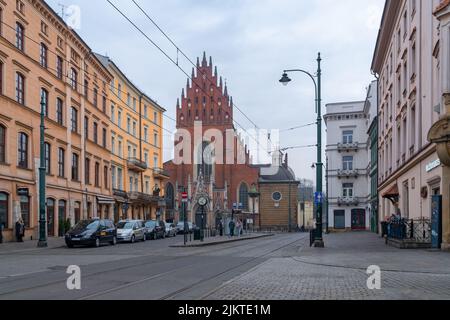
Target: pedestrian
232	225
239	228
221	228
2	226
20	230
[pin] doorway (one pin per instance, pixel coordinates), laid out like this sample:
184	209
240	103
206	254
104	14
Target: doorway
339	219
51	217
358	219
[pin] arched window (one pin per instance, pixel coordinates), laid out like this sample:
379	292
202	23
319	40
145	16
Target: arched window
4	209
73	79
1	74
44	55
62	207
20	43
51	217
170	198
22	154
243	196
205	161
2	144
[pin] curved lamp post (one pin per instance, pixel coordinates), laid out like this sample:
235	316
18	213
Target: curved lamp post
253	194
285	80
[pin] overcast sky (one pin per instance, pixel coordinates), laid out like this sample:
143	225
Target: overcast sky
251	42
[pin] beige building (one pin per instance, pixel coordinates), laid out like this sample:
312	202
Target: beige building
136	122
407	60
41	57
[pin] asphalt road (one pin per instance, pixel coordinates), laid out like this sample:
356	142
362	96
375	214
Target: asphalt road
141	271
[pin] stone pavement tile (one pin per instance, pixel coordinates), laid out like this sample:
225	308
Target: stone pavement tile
287	279
30	245
221	240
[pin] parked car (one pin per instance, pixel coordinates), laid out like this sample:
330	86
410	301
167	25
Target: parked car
155	230
171	230
180	227
131	231
93	232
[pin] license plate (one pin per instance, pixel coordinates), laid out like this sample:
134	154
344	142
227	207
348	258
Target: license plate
76	239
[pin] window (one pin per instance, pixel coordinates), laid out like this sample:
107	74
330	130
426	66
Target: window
145	111
146	159
347	190
119	118
347	163
2	144
1	71
61	162
105	177
59	111
113	145
119	90
128	99
128	125
156	166
44	98
155	117
60	42
120	149
47	157
146	134
204	160
113	116
44	56
87	169
155	139
104	138
4	205
131	184
97	174
86	89
62	207
86	127
95	132
104	104
75	164
20	88
134	104
120	178
44	28
20	6
134	128
22	154
277	196
113	177
59	67
20	33
73	79
95	97
347	137
243	196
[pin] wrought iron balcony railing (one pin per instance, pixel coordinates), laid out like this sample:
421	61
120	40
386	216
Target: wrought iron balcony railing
347	147
136	165
348	201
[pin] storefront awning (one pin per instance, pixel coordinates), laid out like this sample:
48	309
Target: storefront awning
105	200
392	194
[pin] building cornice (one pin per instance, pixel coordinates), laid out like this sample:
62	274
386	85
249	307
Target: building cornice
391	10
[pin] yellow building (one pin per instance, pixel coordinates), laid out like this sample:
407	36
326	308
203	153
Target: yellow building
136	144
40	56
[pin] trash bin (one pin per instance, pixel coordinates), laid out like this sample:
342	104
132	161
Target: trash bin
197	234
384	229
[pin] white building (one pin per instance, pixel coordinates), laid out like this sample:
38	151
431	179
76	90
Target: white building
347	161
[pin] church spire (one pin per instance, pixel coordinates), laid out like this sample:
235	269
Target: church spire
178	103
193	75
210	61
215	72
204	62
220	82
182	93
225	93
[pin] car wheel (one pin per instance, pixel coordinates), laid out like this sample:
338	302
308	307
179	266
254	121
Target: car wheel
97	242
133	239
114	241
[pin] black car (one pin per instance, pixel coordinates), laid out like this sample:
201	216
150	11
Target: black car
93	232
155	229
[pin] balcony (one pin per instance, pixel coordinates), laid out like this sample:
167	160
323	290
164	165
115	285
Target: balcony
348	147
136	165
347	174
348	201
161	173
139	197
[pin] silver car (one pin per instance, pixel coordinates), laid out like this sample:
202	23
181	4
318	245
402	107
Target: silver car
171	230
131	231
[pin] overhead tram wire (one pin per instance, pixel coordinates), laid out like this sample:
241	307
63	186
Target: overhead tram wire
69	62
188	59
177	65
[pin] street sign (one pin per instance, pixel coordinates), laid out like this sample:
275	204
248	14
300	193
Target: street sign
318	198
184	197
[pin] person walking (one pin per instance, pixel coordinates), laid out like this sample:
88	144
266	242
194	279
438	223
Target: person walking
221	228
232	225
20	230
239	228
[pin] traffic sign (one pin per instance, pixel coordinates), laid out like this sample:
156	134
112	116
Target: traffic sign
184	197
318	198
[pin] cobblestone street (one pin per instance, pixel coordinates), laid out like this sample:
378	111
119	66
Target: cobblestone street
339	272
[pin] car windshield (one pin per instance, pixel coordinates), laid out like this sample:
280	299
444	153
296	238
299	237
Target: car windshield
125	225
87	224
150	224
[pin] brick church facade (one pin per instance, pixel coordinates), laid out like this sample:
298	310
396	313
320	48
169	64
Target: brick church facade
217	162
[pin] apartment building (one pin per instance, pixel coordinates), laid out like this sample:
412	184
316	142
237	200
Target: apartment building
41	58
136	122
407	61
346	152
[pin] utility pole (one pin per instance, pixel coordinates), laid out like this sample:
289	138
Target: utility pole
42	172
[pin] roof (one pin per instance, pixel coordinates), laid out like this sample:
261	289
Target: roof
106	61
283	174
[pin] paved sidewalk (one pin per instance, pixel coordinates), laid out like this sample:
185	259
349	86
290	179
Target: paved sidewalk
339	272
221	240
29	245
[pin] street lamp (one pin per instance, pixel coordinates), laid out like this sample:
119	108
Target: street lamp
285	80
42	172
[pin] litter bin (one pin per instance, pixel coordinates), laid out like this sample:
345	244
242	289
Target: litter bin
384	229
197	234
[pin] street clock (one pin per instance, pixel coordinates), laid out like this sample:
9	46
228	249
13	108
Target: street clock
202	201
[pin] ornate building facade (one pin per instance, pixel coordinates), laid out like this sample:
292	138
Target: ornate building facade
215	152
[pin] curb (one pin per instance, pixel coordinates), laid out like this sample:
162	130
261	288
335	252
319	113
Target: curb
207	244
